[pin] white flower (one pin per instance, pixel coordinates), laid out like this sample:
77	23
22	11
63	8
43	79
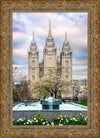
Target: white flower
43	123
52	123
28	120
58	117
60	124
47	124
36	120
74	119
67	120
61	118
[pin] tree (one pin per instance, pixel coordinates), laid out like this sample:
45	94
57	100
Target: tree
24	86
15	95
51	84
22	89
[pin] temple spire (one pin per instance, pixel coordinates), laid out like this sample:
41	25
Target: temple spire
65	37
33	40
49	34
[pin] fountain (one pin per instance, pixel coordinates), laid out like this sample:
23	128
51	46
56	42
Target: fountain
51	103
49	108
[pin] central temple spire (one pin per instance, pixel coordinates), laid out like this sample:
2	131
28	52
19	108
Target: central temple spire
49	34
33	40
65	37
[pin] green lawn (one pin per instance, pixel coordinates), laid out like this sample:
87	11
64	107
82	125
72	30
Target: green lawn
82	103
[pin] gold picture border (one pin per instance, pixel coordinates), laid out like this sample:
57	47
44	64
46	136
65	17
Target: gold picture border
7	129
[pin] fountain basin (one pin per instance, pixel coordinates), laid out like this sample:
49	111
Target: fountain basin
50	103
68	109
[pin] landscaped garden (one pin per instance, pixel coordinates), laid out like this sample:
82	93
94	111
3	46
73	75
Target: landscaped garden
58	120
49	91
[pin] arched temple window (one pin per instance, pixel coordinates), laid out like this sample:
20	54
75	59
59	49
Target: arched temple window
50	62
67	63
33	70
33	77
33	63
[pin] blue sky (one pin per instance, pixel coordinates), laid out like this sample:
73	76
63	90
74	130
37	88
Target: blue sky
75	24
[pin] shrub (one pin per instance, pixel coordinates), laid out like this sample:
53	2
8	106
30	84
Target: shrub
76	120
36	120
41	119
61	119
80	120
58	120
39	116
20	121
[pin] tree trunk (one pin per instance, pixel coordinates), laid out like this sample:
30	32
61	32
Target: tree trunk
55	95
51	94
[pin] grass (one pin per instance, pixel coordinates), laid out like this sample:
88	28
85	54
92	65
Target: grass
82	103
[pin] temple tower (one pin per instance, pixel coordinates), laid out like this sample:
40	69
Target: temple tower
66	60
33	61
49	52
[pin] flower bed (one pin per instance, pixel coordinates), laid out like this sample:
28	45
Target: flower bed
58	120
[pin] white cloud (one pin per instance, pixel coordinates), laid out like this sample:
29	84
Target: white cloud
79	68
79	77
38	22
20	53
81	72
17	66
75	61
22	50
17	36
